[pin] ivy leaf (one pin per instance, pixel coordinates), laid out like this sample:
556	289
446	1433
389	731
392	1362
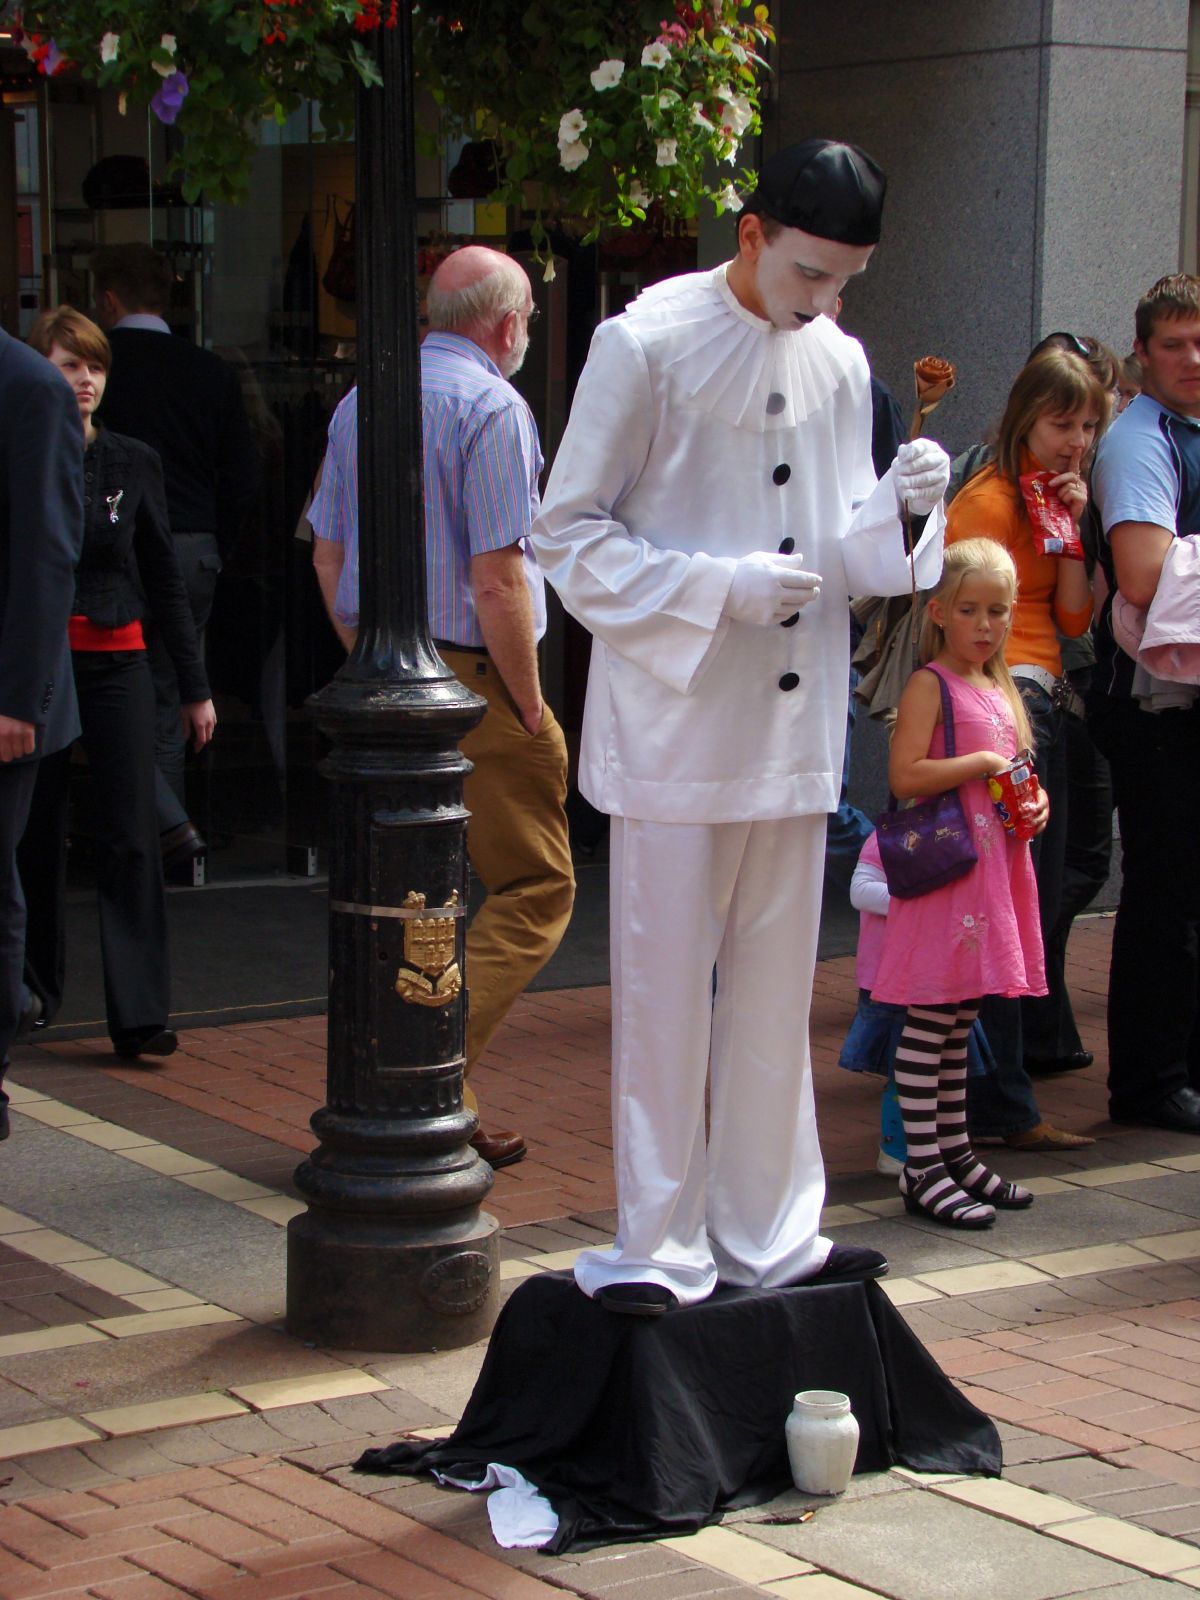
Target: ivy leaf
365	65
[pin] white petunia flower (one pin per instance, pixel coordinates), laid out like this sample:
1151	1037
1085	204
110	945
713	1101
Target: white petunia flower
700	119
167	43
608	74
571	124
110	44
667	99
739	114
548	272
573	154
638	195
665	153
656	55
730	198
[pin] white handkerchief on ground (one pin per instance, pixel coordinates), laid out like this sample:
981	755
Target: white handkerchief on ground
520	1516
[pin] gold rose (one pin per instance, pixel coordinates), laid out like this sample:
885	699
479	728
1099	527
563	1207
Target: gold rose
934	379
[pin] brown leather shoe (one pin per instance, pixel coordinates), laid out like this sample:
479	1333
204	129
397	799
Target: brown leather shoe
499	1149
1044	1137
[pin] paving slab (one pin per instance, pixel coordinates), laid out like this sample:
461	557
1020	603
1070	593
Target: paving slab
1172	1194
1139	1589
160	1366
913	1248
209	1247
1067	1218
904	1545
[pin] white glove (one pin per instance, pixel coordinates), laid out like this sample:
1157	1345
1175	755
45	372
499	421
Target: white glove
921	472
768	588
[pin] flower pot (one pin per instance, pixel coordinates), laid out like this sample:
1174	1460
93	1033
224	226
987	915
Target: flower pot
822	1441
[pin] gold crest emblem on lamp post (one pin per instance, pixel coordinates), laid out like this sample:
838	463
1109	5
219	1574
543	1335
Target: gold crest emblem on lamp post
430	975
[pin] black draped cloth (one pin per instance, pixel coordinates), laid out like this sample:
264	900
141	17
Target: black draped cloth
638	1428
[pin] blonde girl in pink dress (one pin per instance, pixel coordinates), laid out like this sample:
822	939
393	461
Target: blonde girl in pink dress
979	935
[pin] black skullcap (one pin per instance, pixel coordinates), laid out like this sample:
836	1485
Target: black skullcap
824	187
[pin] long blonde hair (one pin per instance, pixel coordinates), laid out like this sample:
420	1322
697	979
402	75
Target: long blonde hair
961	561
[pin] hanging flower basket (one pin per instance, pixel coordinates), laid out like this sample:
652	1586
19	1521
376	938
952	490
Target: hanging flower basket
597	109
603	108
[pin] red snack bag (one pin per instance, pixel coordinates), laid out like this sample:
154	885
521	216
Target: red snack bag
1054	534
1014	792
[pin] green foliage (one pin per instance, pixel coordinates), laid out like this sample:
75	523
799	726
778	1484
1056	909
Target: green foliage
601	108
598	108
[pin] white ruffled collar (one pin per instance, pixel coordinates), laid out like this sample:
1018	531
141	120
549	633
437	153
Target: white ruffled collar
726	362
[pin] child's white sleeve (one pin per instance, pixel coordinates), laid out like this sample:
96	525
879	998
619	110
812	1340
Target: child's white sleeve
869	890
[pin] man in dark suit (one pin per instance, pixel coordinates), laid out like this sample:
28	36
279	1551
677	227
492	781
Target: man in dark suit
186	403
41	532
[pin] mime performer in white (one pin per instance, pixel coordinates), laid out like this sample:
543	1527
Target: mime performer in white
711	508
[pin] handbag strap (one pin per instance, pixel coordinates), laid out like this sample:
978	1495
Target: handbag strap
947	712
947	724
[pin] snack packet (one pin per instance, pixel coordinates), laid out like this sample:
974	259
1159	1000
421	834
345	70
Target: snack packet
1014	792
1054	534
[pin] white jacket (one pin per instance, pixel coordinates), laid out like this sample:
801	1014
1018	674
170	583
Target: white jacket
699	433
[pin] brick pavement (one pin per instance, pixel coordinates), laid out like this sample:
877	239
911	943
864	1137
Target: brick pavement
545	1074
1091	1374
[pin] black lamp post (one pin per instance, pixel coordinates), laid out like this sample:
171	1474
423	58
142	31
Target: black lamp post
393	1252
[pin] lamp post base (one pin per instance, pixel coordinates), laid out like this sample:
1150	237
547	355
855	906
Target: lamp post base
357	1283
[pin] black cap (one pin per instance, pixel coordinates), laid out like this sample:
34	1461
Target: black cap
824	187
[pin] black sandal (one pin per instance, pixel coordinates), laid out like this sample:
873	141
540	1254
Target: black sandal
934	1194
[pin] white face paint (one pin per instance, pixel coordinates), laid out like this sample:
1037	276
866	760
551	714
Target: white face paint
798	276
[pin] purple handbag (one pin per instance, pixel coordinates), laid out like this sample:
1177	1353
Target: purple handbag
927	844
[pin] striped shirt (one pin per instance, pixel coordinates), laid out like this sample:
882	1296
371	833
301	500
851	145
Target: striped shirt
482	461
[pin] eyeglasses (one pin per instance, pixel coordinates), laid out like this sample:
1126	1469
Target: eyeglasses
532	314
1075	342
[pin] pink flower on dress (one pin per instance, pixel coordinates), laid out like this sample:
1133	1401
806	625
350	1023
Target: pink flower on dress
983	831
971	932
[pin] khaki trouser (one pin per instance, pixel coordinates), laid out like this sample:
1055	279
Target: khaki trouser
518	847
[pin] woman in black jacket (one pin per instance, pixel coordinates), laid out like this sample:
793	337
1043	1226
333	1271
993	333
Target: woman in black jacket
128	570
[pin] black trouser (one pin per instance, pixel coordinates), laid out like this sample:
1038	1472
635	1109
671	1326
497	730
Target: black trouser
1003	1101
116	710
1153	999
1048	1021
200	563
17	780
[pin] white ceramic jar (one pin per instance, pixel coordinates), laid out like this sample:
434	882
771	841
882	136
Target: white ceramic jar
822	1441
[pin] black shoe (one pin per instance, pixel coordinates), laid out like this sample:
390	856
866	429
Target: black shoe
5	1125
31	1013
848	1263
147	1042
1179	1111
1068	1063
637	1299
180	844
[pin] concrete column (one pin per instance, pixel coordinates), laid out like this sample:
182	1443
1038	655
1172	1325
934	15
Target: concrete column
1035	155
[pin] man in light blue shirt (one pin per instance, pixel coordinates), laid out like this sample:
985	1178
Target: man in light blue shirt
1146	484
486	612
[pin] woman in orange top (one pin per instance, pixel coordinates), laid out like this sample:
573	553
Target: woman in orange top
1056	411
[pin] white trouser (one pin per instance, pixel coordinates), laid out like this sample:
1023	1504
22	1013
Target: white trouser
744	897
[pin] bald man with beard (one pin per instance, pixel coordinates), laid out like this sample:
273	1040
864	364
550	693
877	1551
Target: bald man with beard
487	611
